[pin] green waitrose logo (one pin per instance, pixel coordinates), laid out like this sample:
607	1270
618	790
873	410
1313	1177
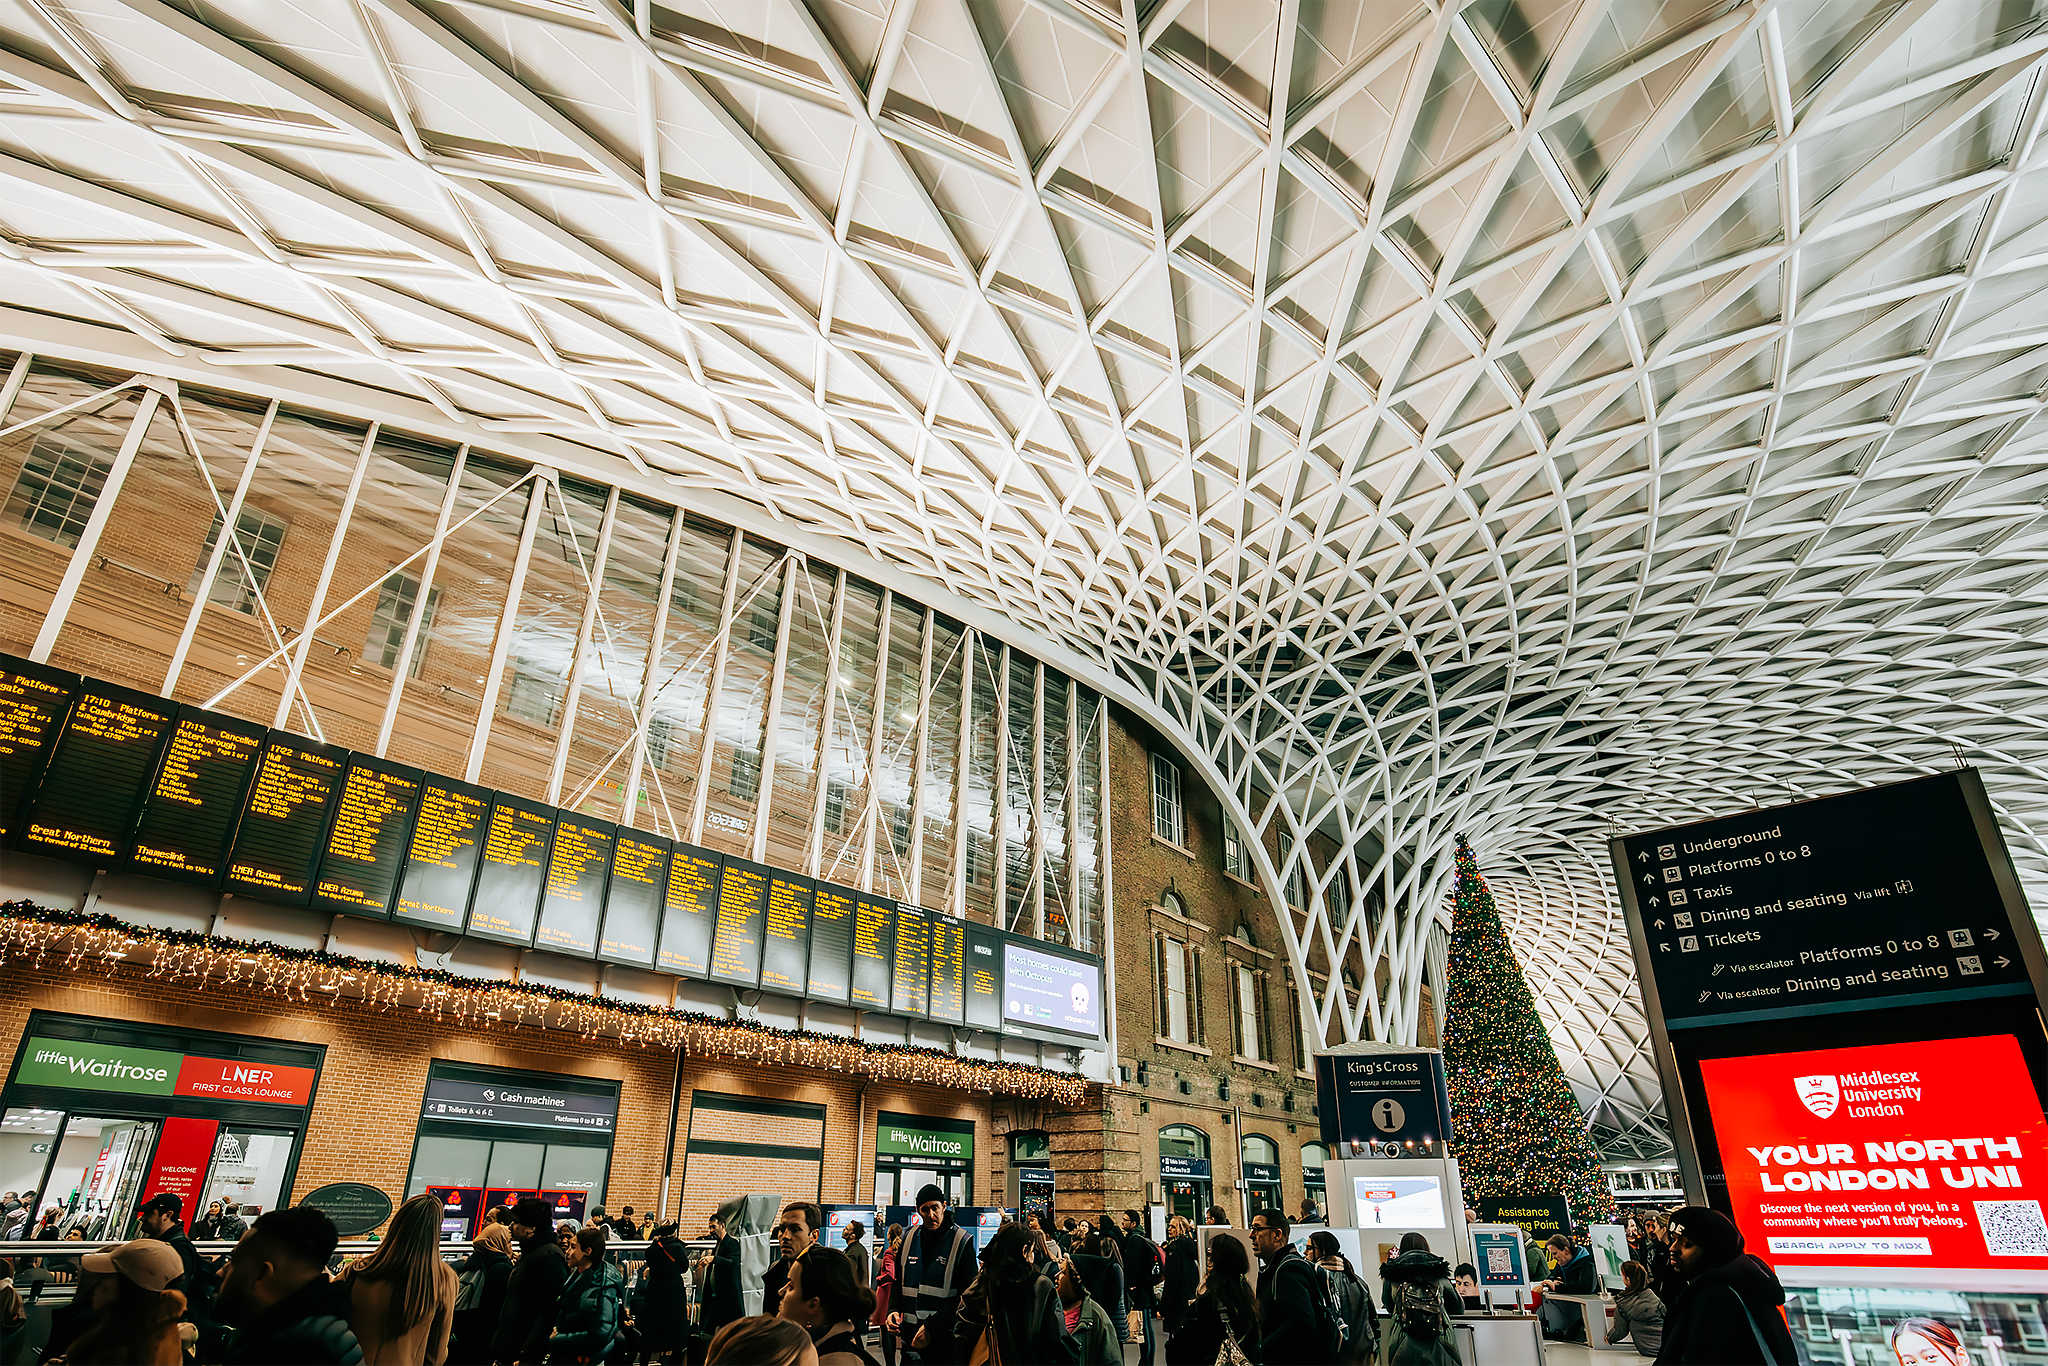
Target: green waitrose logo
924	1142
99	1067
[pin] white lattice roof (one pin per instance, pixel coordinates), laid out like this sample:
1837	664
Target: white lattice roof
1511	417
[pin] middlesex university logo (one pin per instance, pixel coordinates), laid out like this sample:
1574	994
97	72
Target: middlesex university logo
1818	1094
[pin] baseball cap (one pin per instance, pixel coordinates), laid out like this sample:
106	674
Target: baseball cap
147	1262
163	1203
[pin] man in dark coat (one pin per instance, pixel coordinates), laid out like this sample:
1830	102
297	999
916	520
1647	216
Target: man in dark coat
1144	1267
1732	1310
1287	1296
278	1295
723	1301
794	1236
534	1287
1576	1275
158	1219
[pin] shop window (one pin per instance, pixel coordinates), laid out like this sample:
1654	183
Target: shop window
1169	822
1184	1171
259	537
396	598
488	1134
1313	1158
1180	1140
515	1164
1031	1146
1259	1148
1178	970
1235	862
913	1150
1297	888
59	485
1249	1018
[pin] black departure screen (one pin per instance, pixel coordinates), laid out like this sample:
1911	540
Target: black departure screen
188	820
105	757
572	907
285	819
742	909
632	904
366	848
447	845
948	1000
874	951
691	915
34	700
786	942
512	870
831	973
984	977
909	987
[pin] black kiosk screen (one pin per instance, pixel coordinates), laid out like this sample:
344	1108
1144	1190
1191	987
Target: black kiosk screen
785	944
514	865
632	904
831	971
742	906
874	951
984	973
691	914
573	905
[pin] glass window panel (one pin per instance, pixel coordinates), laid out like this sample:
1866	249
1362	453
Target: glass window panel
440	709
1178	1140
942	761
246	566
1057	746
574	1169
1087	870
516	1165
683	677
448	1162
1173	962
853	721
806	674
896	783
248	1168
551	604
27	1134
593	780
397	598
49	474
743	702
98	1174
979	804
1260	1149
1019	746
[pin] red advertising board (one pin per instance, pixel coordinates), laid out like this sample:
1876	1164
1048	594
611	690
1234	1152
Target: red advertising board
264	1082
1904	1156
182	1154
565	1206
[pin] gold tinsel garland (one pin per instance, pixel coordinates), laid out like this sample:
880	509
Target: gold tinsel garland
74	941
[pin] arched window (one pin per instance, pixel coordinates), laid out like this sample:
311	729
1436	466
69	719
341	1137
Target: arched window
1178	1140
1313	1156
1259	1148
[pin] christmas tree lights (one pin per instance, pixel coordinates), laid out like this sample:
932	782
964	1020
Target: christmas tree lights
1519	1130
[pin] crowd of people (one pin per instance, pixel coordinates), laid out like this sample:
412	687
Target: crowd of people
530	1290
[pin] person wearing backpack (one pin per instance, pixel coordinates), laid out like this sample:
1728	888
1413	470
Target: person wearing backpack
1144	1269
480	1295
1300	1323
1420	1298
1359	1320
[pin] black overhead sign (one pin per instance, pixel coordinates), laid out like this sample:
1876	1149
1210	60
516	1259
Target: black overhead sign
34	701
94	783
285	819
1381	1096
447	845
1881	897
529	1107
366	847
189	818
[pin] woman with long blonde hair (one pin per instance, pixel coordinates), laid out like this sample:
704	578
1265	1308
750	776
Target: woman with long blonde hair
402	1296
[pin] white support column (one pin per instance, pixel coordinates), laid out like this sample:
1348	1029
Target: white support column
17	375
508	622
297	668
719	645
95	524
1035	880
650	675
918	750
956	892
401	668
599	559
871	809
758	836
815	853
230	518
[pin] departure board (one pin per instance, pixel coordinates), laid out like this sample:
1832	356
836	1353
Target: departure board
284	819
512	870
984	976
909	984
874	951
366	848
742	913
785	943
831	970
34	701
948	997
188	820
572	905
632	904
105	757
447	845
691	913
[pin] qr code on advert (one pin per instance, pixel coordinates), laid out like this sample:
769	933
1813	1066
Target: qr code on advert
2013	1228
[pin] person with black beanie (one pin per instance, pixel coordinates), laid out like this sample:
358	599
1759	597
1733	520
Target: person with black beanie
534	1288
1732	1309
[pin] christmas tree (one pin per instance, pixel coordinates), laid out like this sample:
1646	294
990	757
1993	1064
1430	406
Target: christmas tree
1518	1129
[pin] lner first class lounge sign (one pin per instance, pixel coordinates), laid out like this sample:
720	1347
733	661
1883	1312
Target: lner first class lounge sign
1884	896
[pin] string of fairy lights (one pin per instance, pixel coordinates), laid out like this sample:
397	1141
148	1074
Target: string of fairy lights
1519	1129
41	937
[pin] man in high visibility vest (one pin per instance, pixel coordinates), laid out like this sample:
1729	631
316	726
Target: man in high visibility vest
937	1264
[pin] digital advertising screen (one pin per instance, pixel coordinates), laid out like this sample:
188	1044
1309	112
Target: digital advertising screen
1050	991
1403	1202
1906	1156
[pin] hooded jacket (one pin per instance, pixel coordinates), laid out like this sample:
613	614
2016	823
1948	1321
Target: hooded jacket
308	1326
1433	1274
1729	1315
530	1295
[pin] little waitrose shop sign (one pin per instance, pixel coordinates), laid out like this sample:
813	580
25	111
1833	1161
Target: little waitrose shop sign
895	1138
157	1072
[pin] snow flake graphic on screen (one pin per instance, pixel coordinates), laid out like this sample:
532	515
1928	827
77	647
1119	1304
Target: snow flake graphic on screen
1818	1094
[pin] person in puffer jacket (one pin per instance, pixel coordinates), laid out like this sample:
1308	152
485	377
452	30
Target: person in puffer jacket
1423	1338
278	1295
587	1314
1638	1313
